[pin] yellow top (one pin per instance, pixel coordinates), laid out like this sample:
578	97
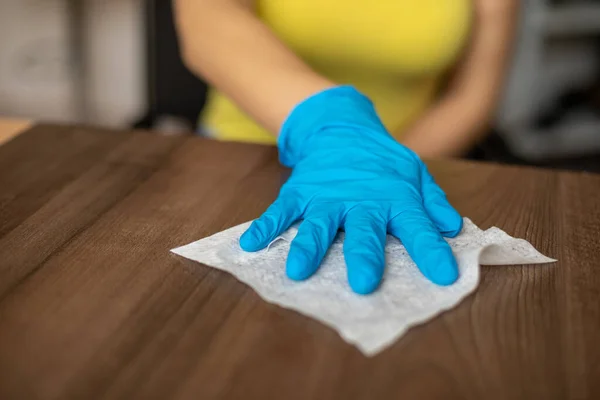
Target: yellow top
394	51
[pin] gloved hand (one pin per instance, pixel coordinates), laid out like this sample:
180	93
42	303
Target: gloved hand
348	172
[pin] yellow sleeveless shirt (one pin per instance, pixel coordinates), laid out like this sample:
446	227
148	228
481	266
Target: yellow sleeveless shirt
394	51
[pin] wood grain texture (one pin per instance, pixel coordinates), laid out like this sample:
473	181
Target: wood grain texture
93	305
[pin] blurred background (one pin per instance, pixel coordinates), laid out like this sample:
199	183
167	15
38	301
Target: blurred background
115	63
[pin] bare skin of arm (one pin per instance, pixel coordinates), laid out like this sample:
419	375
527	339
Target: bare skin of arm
225	43
461	117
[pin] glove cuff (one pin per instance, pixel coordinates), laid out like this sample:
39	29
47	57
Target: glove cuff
341	107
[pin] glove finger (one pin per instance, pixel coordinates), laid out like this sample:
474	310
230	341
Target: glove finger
272	223
446	218
424	244
315	235
364	249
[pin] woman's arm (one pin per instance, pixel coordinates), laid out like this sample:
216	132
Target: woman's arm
462	115
223	41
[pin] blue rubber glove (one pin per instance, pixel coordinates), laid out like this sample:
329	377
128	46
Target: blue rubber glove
348	172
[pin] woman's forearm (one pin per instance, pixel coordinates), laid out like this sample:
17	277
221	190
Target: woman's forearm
449	129
463	114
224	42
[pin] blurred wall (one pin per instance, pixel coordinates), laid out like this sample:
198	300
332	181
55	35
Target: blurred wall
115	60
34	60
38	66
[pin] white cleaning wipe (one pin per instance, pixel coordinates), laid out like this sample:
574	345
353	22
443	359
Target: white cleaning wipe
404	299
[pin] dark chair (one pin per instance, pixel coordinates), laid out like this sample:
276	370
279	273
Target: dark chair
171	89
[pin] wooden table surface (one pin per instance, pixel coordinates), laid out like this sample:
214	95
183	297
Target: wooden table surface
93	305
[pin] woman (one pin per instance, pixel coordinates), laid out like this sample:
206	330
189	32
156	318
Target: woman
349	91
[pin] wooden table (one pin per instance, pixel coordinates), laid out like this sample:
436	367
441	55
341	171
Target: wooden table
93	305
